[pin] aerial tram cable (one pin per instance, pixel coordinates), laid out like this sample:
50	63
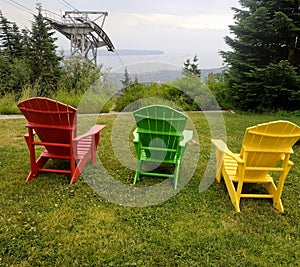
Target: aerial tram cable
66	4
24	8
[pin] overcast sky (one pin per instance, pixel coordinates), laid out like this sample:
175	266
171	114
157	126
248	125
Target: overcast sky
185	27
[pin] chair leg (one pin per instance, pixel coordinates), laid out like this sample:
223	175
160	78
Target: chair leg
35	166
176	174
277	203
219	165
232	193
31	176
137	173
219	175
75	175
77	168
94	145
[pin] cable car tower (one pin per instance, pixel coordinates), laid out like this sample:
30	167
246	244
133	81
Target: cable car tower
84	33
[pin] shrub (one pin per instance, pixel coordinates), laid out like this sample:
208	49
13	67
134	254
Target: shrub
179	93
217	85
8	104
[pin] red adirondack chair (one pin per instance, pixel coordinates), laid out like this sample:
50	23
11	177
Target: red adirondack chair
54	125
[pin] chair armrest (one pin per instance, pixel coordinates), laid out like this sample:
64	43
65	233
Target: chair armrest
221	146
187	136
290	163
136	140
93	131
135	136
27	134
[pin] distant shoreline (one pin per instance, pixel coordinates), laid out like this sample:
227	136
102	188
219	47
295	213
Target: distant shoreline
124	57
130	52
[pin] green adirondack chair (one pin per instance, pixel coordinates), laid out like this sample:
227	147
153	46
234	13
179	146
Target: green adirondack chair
160	138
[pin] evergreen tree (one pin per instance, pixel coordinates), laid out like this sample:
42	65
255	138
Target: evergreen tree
10	38
191	68
127	81
264	50
14	69
44	62
26	43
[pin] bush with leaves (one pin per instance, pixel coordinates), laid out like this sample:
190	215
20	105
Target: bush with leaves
219	88
188	93
78	74
14	75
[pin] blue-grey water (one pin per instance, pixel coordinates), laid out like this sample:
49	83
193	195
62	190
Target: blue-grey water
142	63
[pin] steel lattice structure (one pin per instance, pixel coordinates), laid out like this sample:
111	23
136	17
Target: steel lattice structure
85	34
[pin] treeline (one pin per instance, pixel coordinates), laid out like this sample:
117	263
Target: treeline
30	64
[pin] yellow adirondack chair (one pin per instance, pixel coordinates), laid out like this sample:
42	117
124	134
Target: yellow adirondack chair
266	149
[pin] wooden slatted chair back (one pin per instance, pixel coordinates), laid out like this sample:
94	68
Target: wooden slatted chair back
160	129
53	122
264	146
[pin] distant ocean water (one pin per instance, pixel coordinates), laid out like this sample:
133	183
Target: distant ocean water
145	65
147	68
142	63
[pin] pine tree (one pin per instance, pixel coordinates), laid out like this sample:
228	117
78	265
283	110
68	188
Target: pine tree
191	68
45	62
15	71
127	81
265	48
10	38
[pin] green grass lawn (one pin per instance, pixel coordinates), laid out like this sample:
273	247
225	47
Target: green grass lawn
47	222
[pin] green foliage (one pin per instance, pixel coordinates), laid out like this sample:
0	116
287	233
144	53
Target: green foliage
78	74
29	56
218	86
29	66
98	98
278	87
127	81
44	62
138	95
191	68
95	103
192	94
35	70
11	38
8	104
135	96
14	74
266	35
68	97
188	93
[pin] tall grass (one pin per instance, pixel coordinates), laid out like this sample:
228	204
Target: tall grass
89	103
47	222
8	105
